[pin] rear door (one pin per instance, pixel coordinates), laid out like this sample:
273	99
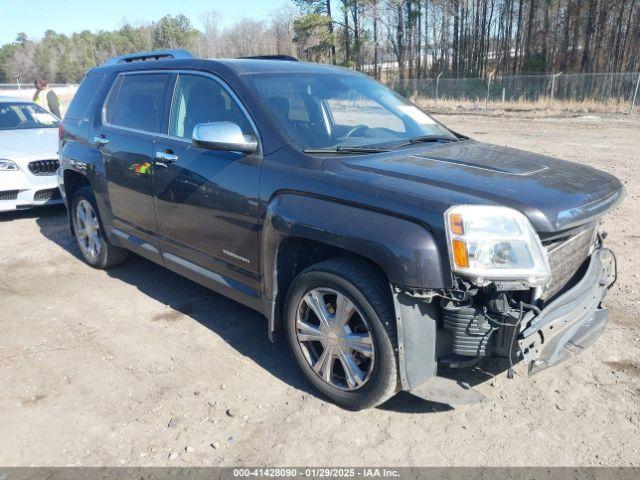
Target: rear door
206	200
131	120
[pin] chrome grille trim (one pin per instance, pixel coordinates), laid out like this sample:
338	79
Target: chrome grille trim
44	167
580	215
566	255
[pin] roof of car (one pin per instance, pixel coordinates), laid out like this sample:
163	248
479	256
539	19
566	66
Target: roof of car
250	65
240	66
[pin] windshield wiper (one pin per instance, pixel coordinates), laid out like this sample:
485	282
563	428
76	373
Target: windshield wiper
425	139
346	149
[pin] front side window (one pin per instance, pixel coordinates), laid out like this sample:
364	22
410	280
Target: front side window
330	110
136	101
24	115
200	99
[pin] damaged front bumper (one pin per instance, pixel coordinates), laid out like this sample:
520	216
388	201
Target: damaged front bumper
563	328
573	321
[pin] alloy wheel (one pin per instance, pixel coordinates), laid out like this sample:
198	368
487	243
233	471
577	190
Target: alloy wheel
335	338
88	229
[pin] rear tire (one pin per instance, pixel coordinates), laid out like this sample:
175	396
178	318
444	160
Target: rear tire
352	361
89	232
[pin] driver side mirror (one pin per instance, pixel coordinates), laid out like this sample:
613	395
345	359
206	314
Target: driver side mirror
225	136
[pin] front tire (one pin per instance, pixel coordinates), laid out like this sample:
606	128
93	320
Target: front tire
89	232
341	329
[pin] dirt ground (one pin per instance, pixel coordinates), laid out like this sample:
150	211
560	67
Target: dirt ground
138	366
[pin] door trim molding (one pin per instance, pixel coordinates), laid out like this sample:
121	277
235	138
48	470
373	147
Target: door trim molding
211	275
135	240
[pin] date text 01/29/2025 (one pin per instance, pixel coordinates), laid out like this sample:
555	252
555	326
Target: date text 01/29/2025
317	472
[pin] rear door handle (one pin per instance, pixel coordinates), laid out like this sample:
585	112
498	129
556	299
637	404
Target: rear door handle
166	157
100	141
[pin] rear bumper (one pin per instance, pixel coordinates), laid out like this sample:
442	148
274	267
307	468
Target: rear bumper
573	321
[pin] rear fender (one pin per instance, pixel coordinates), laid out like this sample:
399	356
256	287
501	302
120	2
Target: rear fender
86	161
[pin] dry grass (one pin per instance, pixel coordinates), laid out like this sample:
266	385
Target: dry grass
542	107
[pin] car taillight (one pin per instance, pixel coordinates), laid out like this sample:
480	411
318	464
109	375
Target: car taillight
60	130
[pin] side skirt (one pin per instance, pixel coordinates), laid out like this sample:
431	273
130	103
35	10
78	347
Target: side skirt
221	284
224	285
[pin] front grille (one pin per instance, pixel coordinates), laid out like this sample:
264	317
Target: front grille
44	167
9	195
49	194
566	255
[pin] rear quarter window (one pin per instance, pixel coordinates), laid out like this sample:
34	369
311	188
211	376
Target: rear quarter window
83	97
136	101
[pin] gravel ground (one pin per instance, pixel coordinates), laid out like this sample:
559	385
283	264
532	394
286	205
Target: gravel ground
138	366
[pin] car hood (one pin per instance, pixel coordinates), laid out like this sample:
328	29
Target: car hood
29	144
553	193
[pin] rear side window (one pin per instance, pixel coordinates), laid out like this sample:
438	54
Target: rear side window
81	100
136	101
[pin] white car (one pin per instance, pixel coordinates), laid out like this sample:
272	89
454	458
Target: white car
28	155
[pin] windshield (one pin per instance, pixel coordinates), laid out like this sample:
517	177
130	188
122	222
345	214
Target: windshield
325	111
19	115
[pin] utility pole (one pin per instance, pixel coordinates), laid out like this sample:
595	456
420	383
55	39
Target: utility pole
635	94
553	84
486	100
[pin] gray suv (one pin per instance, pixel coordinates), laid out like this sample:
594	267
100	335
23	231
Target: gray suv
389	249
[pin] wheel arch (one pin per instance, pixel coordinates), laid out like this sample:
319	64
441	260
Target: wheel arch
72	182
301	230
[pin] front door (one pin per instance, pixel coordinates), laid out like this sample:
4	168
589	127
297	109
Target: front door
207	201
132	119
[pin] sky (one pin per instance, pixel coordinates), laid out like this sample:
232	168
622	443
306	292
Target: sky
34	17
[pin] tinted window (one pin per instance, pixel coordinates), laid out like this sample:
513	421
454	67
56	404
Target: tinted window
342	109
83	97
136	101
22	115
200	99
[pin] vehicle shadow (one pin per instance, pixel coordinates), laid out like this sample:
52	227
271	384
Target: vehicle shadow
242	328
45	211
466	378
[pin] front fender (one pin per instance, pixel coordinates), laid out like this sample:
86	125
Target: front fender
406	251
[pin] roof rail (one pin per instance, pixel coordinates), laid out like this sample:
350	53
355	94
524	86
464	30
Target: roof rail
146	56
286	58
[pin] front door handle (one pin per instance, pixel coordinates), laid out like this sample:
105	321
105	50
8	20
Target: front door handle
100	141
166	157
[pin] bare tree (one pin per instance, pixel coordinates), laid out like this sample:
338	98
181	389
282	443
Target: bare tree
281	28
386	38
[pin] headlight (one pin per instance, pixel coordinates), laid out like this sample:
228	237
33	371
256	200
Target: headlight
495	243
7	165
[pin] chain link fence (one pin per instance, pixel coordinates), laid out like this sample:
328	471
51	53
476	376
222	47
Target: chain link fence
620	89
26	91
